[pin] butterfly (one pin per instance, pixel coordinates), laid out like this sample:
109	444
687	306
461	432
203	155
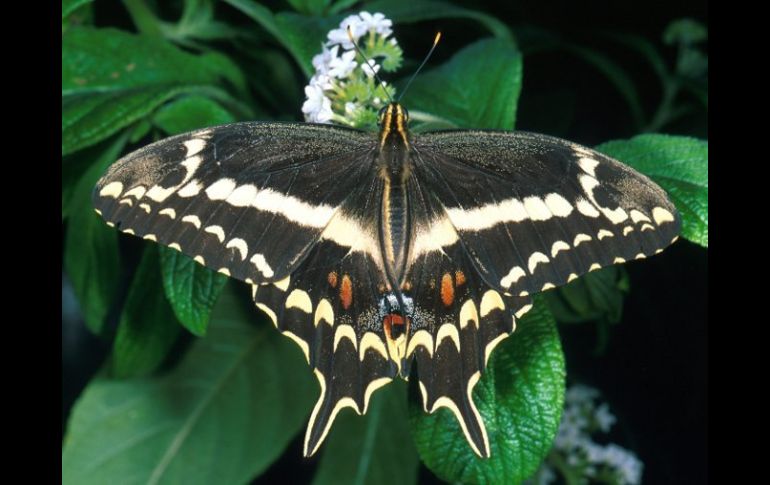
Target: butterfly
379	252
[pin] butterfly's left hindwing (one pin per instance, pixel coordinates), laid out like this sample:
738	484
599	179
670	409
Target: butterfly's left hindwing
248	199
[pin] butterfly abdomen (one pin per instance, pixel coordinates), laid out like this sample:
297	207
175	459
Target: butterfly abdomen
394	168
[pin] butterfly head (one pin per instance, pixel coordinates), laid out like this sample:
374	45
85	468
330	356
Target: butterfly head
393	120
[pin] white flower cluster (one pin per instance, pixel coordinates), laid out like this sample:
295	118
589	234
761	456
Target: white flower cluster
337	64
581	418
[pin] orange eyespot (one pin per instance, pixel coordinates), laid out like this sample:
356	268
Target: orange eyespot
346	292
459	278
332	279
447	290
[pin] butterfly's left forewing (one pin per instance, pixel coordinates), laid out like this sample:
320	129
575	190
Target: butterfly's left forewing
248	199
534	212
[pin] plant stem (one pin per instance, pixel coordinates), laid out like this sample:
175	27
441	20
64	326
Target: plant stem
571	475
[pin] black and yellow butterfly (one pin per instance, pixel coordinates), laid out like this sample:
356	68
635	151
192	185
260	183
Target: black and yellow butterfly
375	253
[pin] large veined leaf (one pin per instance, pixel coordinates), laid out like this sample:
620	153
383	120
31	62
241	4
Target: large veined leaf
88	119
520	399
680	165
222	415
111	78
478	88
374	449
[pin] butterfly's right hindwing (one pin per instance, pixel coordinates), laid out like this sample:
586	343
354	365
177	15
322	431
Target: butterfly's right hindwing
332	308
247	199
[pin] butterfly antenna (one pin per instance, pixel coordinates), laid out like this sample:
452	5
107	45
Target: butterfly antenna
435	43
368	62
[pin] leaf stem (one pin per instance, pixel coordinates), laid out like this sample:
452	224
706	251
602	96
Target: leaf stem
144	19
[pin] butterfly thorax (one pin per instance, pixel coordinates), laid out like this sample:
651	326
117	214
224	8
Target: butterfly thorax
394	168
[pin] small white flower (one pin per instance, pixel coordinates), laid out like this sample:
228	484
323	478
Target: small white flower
377	22
604	418
579	394
323	81
341	67
594	453
340	36
317	107
321	61
370	68
626	463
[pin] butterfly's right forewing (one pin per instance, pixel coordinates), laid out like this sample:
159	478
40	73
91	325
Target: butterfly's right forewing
248	199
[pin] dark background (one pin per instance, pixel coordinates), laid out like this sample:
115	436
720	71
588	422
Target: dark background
653	372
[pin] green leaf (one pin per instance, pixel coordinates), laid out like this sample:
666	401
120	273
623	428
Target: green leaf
191	289
301	35
109	60
593	296
89	119
191	112
273	77
680	165
520	398
310	7
91	256
685	31
692	64
139	131
222	415
146	22
227	69
374	449
73	168
478	88
407	11
68	7
147	327
110	79
341	5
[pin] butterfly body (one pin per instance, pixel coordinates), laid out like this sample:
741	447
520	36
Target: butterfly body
379	252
